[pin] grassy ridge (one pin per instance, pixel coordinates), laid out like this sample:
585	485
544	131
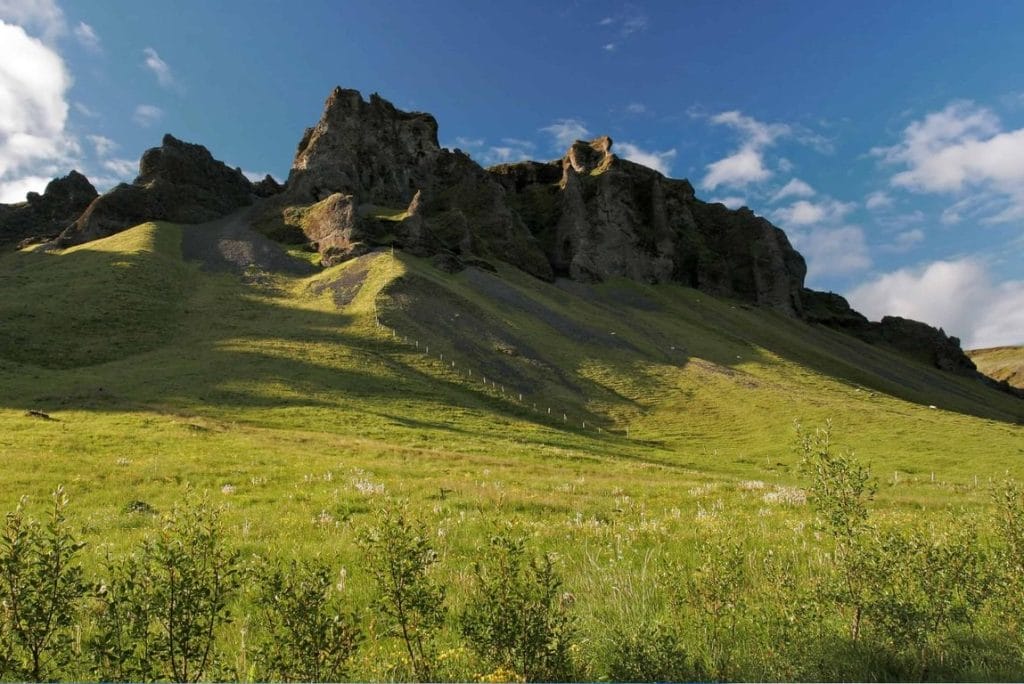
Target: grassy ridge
1001	363
283	398
167	374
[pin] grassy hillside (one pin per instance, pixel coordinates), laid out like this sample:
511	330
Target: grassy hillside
1001	363
157	372
618	424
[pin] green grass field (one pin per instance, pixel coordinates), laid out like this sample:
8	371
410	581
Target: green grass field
671	412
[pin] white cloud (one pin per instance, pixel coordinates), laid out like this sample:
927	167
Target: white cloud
962	148
121	168
34	82
731	201
659	161
958	296
904	241
254	176
468	143
739	169
877	200
45	16
102	144
87	36
146	115
746	165
566	131
14	191
636	108
832	251
504	154
164	76
806	213
794	188
609	47
85	111
519	142
634	24
607	21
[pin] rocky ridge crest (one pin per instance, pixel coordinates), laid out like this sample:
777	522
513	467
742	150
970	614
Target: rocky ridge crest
369	175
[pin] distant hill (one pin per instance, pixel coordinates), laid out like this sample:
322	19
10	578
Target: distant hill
1001	363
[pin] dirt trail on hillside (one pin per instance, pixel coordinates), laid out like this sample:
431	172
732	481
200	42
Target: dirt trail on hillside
231	244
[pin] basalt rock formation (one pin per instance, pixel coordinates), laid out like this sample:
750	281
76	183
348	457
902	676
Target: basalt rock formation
921	341
368	175
177	181
598	216
43	217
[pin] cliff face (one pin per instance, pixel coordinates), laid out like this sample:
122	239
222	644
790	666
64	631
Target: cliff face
42	217
177	181
598	216
396	186
369	175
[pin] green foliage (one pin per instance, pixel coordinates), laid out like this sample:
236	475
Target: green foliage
124	645
41	592
400	556
517	617
923	592
306	635
160	611
716	598
841	486
651	652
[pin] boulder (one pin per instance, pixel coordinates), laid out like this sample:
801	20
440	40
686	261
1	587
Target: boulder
177	181
43	216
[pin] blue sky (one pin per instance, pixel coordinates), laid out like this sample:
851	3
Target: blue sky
886	138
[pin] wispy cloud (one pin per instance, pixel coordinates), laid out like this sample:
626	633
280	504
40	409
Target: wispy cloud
161	69
746	165
962	149
146	115
121	168
87	37
659	161
794	188
566	131
878	200
102	144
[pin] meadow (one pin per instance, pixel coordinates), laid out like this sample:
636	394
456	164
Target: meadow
643	439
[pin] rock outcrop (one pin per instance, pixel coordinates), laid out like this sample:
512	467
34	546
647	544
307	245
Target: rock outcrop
395	185
931	346
43	216
597	216
177	181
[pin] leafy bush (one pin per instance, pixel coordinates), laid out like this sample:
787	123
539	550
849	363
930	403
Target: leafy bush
41	590
160	610
517	617
399	556
651	652
307	637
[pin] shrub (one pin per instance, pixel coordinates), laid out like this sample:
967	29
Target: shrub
651	652
161	609
41	589
307	637
399	556
517	617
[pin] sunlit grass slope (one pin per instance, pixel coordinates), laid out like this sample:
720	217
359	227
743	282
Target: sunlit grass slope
283	396
1001	363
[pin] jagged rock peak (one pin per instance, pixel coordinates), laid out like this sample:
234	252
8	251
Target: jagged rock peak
586	157
42	216
178	181
366	148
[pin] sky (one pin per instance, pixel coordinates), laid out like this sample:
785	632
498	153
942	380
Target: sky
885	138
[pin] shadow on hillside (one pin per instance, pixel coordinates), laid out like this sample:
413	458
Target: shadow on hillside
224	346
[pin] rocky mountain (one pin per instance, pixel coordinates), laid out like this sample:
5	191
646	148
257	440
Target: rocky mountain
42	217
177	181
369	175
